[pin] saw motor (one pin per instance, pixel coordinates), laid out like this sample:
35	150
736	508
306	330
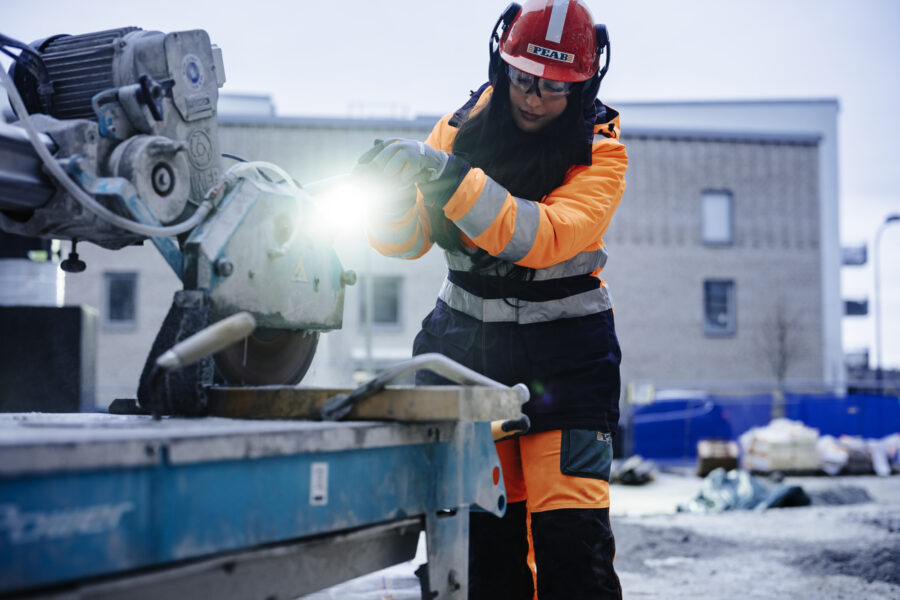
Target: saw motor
124	122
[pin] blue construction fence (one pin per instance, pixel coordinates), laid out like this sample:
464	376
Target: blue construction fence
671	428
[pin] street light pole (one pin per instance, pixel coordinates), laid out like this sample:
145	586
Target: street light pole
895	218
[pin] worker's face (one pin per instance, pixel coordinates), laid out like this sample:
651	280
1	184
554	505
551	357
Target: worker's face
531	112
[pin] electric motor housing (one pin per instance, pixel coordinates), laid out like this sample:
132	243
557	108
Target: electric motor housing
128	104
78	67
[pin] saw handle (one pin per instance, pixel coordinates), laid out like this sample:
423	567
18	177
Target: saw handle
339	406
207	341
504	430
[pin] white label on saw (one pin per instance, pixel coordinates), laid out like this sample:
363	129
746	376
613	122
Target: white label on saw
318	484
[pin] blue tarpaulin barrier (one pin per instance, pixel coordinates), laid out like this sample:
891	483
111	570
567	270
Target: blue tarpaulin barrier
671	428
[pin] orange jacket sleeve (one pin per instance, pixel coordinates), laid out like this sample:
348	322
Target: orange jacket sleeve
406	233
571	219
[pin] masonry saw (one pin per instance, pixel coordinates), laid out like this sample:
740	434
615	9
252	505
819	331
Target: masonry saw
115	144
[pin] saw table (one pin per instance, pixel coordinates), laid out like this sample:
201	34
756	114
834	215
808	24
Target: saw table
114	506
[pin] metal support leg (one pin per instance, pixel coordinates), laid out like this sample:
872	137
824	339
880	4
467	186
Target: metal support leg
446	576
466	472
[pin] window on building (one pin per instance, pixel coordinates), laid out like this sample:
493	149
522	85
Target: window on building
856	308
854	256
121	299
386	300
717	220
719	314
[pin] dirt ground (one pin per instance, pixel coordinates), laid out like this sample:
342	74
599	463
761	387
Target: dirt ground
845	546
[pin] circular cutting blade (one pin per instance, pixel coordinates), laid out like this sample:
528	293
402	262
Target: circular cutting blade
268	357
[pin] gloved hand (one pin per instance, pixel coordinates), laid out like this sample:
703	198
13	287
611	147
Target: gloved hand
406	161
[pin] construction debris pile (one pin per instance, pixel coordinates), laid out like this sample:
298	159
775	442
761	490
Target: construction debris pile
790	446
635	470
737	489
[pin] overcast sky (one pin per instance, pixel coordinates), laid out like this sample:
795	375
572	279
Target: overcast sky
420	57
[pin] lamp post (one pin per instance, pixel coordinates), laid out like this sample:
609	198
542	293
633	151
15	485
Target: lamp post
895	218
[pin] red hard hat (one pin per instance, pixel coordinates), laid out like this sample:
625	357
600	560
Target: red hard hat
553	39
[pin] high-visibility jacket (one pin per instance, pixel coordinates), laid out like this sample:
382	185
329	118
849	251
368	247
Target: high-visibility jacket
561	238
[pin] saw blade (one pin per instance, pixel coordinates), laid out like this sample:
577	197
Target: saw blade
268	357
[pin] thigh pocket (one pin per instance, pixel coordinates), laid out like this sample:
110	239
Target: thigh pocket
585	453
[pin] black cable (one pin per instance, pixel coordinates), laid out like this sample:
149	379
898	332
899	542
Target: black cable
260	171
264	176
34	64
8	41
243	160
30	66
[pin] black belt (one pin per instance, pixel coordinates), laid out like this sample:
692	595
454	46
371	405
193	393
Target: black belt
493	287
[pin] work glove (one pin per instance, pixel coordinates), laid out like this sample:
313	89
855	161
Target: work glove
405	161
386	198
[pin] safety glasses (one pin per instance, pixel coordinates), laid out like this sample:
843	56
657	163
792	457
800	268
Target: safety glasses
526	82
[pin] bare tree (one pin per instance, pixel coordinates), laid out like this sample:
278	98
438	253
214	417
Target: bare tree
780	341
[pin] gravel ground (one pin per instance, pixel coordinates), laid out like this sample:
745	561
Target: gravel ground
824	553
845	546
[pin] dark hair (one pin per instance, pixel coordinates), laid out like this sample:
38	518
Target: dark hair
528	164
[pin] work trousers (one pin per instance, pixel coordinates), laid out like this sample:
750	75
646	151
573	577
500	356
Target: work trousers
573	544
558	474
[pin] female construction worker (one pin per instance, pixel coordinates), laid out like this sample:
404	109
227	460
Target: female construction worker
518	187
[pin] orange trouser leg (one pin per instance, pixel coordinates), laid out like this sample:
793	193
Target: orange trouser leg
547	487
563	537
570	537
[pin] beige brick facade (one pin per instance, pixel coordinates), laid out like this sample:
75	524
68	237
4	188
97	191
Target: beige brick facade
656	272
658	262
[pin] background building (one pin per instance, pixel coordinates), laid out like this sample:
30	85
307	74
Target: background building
723	255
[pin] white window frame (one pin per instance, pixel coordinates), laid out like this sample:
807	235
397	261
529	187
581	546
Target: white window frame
717	218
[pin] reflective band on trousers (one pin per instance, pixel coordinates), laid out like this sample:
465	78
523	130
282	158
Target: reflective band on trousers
583	263
521	311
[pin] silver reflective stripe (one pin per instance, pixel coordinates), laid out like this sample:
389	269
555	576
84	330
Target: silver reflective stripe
557	20
457	261
521	311
415	250
485	209
396	236
580	264
528	216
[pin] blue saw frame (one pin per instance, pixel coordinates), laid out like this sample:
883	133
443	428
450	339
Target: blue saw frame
99	496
